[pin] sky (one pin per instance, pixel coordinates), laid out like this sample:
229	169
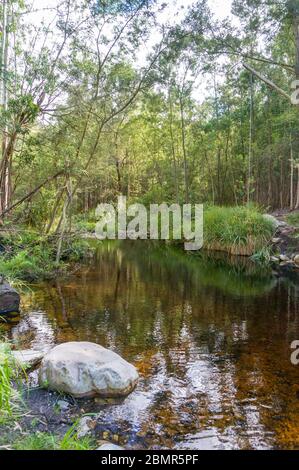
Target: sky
220	8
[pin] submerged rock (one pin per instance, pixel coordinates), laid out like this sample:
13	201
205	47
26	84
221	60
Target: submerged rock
84	369
28	358
9	299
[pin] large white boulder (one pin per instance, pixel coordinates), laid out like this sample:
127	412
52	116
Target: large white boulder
84	369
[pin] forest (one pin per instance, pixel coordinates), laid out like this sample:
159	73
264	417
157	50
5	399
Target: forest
186	102
94	104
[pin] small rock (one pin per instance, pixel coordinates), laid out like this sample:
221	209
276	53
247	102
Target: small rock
281	223
285	263
9	299
272	219
110	446
85	426
296	260
274	259
276	240
284	258
28	358
63	405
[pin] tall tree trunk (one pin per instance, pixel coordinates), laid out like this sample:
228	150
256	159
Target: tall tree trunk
292	175
297	199
249	168
5	161
183	132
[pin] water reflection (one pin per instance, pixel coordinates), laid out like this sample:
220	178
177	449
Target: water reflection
211	342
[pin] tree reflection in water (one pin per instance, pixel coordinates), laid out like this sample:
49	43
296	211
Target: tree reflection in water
211	340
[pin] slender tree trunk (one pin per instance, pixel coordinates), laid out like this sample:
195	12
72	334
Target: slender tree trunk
292	175
249	169
297	199
183	132
5	162
172	147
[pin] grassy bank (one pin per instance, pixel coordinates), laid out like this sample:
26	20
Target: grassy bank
28	256
237	230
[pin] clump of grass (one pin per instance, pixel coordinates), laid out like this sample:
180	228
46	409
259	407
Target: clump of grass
71	441
30	264
293	219
236	230
9	373
46	441
36	441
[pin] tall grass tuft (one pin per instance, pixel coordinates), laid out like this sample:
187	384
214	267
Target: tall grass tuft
236	230
9	371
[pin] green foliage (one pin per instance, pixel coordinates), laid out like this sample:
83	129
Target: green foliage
9	373
85	222
293	219
71	441
46	441
31	257
238	230
36	441
101	7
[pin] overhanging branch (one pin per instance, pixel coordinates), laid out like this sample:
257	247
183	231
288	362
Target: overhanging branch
267	81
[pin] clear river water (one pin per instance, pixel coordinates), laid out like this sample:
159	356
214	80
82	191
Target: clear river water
210	338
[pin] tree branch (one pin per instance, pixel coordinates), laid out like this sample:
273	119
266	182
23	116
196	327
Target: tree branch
35	190
267	81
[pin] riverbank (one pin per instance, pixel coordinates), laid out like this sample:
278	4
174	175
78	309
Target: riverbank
33	418
284	247
27	256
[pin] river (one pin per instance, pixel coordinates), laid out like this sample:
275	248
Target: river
211	341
